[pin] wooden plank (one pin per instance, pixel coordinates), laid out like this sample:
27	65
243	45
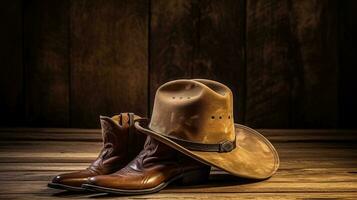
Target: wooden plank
20	146
42	167
49	130
50	146
198	39
219	47
309	135
216	176
12	107
291	54
193	196
172	25
347	59
108	59
307	164
315	29
274	135
228	187
292	154
315	169
77	156
46	61
52	134
286	164
33	136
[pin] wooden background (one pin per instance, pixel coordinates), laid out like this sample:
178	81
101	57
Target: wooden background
290	64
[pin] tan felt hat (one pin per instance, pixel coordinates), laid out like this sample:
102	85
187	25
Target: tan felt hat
195	117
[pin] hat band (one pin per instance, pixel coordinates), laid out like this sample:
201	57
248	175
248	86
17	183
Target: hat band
222	147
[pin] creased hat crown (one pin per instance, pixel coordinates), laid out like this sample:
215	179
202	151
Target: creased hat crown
196	110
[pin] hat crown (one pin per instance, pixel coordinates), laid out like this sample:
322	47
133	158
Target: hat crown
196	110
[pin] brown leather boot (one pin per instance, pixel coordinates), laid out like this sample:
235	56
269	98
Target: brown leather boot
154	168
121	143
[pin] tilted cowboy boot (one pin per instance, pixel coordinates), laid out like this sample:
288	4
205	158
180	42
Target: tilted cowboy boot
121	143
154	168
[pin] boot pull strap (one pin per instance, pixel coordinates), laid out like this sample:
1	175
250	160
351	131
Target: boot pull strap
131	136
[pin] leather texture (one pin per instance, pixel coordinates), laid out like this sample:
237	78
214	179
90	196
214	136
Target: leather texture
195	117
121	143
155	165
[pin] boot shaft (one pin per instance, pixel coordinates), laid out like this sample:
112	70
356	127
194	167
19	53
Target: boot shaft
157	152
121	142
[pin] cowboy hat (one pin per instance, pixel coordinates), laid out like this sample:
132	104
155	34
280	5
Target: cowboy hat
195	117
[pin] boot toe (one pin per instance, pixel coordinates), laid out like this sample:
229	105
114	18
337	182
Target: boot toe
75	179
101	180
91	180
57	179
106	181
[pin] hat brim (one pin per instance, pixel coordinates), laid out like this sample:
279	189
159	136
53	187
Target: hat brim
254	156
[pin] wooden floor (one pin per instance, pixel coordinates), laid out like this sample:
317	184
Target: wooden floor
315	164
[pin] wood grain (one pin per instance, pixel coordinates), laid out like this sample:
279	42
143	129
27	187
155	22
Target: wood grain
46	61
172	25
291	64
216	177
327	153
310	168
228	187
194	196
219	52
94	135
347	59
12	101
288	63
108	59
198	39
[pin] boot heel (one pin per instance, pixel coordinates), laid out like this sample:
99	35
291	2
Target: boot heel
196	177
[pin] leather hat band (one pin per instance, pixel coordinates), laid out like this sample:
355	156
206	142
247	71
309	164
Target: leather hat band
225	146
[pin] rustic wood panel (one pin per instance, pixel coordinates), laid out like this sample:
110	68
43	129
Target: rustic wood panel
108	59
12	107
198	39
291	64
219	49
46	62
287	62
172	26
347	61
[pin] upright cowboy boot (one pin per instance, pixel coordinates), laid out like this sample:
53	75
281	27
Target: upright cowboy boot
121	143
154	168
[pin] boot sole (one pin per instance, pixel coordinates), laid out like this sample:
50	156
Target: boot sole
187	178
65	187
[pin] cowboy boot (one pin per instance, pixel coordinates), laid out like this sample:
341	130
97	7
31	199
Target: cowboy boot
154	168
121	143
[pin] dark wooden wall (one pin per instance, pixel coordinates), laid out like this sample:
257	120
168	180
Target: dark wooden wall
290	64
